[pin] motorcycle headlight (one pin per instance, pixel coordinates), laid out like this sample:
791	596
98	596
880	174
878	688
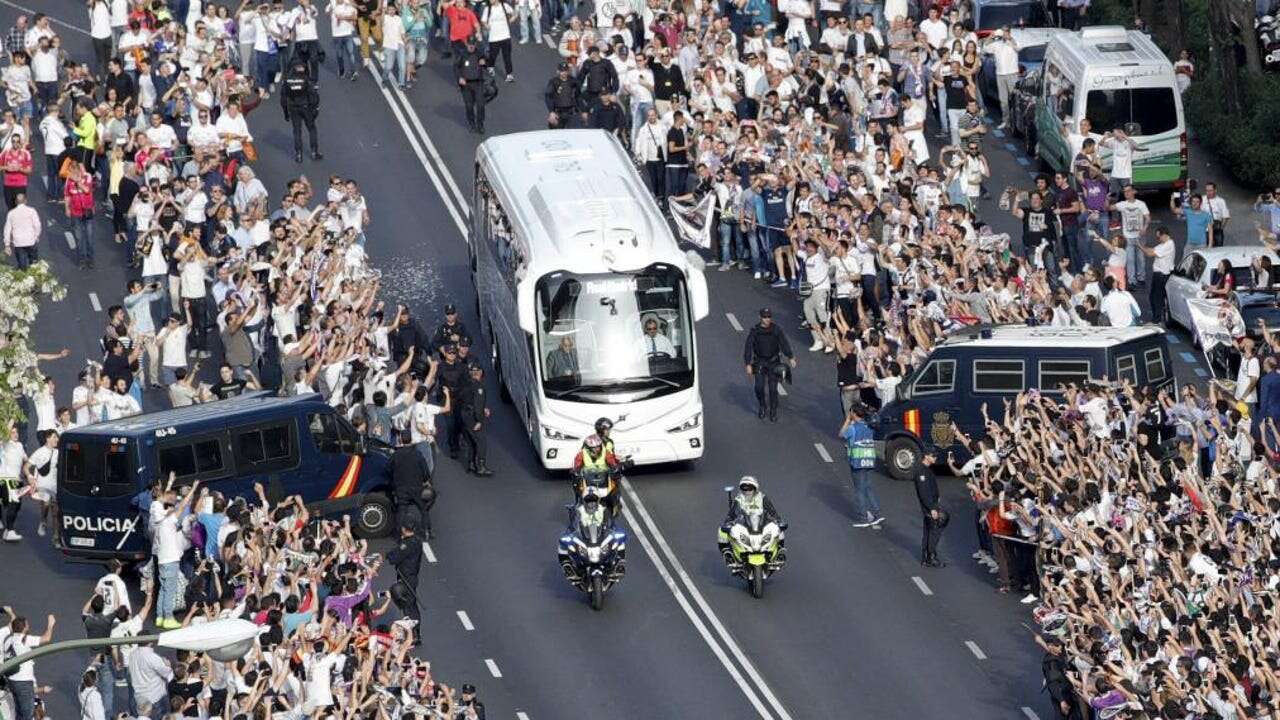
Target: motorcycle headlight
739	534
594	553
692	422
767	538
551	433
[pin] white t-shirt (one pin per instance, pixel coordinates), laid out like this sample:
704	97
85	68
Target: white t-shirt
342	21
162	136
494	18
17	644
192	278
1120	308
319	687
1162	262
423	416
47	481
233	126
304	24
114	593
169	542
392	32
173	349
935	31
44	66
1133	215
100	21
1121	159
1250	370
11	458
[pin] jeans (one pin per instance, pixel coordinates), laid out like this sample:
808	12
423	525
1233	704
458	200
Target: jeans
393	64
345	49
677	179
25	257
639	110
529	19
168	590
24	698
1135	263
1071	247
731	247
416	51
760	255
953	124
428	455
82	229
107	683
865	501
942	111
1004	88
265	66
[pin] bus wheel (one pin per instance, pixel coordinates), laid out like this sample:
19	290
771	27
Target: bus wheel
374	516
901	456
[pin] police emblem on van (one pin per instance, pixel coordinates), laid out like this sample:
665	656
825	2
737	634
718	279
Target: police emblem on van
942	433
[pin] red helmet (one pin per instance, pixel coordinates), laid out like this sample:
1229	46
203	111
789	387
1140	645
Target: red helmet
593	442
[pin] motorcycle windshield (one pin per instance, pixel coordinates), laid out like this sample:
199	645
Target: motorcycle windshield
591	532
755	522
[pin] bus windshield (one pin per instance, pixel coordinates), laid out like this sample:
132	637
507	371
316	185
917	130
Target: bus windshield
97	468
614	337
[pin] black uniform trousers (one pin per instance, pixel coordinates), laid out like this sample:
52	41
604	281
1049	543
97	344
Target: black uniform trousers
931	535
455	430
300	116
766	384
476	443
473	102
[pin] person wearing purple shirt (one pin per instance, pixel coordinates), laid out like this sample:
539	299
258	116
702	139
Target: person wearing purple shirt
1093	192
342	605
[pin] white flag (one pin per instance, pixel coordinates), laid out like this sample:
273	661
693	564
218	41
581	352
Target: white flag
693	220
1215	322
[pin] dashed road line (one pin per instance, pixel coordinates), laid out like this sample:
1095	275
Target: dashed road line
426	550
71	239
1174	339
550	43
733	321
977	651
1029	713
1011	147
465	620
997	132
1023	161
525	716
919	581
493	667
93	300
1187	357
822	452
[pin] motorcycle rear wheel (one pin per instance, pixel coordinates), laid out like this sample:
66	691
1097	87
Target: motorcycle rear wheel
757	581
597	593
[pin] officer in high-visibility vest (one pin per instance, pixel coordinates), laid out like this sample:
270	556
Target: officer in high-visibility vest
749	500
861	449
595	456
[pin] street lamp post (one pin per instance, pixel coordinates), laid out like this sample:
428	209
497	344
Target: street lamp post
223	640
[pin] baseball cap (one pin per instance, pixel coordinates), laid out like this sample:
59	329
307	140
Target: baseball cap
450	309
564	67
468	689
766	313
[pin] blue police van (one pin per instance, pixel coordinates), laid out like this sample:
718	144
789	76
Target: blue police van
291	445
991	364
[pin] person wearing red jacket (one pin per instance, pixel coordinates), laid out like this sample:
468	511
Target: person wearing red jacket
594	456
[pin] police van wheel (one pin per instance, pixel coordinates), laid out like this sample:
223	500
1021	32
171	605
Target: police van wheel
374	517
901	456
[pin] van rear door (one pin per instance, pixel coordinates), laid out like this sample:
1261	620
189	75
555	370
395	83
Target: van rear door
97	481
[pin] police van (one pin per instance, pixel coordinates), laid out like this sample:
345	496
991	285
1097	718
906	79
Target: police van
991	364
292	446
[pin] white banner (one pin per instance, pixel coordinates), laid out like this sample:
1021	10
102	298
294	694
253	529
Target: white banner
693	221
1215	322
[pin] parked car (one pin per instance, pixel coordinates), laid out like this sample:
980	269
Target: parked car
1022	109
1197	271
990	15
1031	42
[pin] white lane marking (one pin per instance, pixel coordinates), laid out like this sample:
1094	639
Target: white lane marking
822	452
422	155
973	648
53	20
550	43
638	531
93	300
919	581
71	239
782	390
733	322
525	716
465	620
463	205
1031	714
493	667
426	550
697	597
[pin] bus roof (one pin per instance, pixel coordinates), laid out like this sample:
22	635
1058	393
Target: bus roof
1110	46
576	202
1045	337
220	412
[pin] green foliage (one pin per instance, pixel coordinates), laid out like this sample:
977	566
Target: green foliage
1195	15
1250	145
1111	12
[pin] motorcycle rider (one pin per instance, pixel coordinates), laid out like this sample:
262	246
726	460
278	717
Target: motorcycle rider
750	499
596	454
603	427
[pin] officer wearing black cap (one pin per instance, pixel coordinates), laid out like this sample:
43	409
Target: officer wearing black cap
301	103
470	67
451	330
469	700
561	97
597	76
935	518
763	355
473	416
406	558
452	374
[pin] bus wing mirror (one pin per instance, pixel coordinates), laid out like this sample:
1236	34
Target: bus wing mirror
524	309
698	301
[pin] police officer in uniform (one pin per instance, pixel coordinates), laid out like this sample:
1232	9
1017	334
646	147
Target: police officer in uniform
452	374
474	418
301	104
766	346
469	700
406	558
451	330
561	97
412	488
469	67
935	518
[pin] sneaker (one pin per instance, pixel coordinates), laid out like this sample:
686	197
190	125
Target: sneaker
993	569
862	524
511	78
726	267
977	555
878	520
828	348
712	263
816	346
756	276
524	41
11	536
40	530
779	283
1002	126
1030	598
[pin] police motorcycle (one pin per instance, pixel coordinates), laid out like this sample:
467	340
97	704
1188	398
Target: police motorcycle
602	484
752	543
593	550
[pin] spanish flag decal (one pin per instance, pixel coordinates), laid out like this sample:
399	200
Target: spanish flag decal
911	419
347	482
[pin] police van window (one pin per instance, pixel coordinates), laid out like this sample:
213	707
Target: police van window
203	457
1155	365
1062	372
1127	369
938	376
90	465
264	448
324	430
998	376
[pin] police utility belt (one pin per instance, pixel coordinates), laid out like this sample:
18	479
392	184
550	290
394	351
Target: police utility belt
773	365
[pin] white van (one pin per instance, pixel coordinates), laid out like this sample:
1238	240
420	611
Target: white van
1116	78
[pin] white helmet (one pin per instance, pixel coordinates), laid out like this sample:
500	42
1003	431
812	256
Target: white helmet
748	483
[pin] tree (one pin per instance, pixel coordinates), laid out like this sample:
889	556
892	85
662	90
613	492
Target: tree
1234	48
20	294
1164	18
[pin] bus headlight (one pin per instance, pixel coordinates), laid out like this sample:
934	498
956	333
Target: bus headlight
694	421
551	433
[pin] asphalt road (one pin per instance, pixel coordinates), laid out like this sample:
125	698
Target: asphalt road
853	626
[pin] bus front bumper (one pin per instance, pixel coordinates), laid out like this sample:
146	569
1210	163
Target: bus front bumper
654	451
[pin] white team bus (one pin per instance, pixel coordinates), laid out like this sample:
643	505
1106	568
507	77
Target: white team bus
588	301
